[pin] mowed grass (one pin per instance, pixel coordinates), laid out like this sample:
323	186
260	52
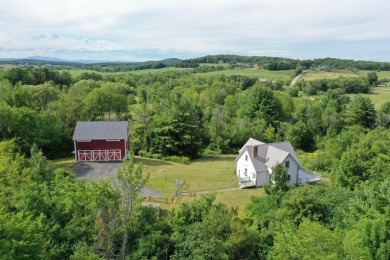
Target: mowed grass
65	163
203	175
199	175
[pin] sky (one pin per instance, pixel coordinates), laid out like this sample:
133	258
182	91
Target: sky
140	30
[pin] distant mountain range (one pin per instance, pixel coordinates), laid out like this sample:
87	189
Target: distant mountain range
51	59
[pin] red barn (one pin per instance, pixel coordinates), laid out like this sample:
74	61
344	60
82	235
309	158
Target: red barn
101	140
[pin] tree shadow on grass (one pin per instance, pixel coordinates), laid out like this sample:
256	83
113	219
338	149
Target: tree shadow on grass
151	162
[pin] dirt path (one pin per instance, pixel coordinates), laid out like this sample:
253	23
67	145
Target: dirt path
295	80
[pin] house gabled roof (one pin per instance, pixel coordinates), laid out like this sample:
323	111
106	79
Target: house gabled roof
101	130
286	146
268	154
251	142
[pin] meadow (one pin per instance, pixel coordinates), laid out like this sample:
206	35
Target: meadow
379	96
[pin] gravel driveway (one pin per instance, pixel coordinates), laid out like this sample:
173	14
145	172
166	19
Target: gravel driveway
97	171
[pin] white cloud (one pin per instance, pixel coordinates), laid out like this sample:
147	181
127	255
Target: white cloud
251	27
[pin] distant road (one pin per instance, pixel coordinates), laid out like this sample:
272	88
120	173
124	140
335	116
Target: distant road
295	80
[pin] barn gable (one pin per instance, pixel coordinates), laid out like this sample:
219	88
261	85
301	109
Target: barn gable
101	140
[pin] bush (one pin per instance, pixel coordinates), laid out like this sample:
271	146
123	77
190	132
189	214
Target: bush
179	159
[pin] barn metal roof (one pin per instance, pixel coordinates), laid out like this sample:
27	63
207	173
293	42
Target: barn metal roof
101	130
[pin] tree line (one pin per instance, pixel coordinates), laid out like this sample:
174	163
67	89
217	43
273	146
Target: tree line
180	113
48	213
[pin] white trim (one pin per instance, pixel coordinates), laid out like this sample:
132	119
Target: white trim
75	150
113	140
84	141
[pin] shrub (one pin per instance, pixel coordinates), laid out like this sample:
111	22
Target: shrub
179	159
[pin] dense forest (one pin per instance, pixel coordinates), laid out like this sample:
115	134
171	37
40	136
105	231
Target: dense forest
47	213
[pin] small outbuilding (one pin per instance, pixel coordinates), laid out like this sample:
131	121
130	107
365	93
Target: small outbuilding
101	140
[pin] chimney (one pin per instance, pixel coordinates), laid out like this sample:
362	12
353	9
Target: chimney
254	151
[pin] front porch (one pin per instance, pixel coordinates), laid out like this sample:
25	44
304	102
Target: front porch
307	176
246	182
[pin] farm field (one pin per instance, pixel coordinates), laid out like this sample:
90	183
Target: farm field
251	72
254	72
315	75
379	96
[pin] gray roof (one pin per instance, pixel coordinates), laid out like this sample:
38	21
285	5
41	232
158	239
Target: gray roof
268	155
250	142
101	130
286	146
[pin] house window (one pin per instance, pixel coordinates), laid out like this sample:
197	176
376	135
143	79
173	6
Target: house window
246	157
287	164
246	172
254	176
289	177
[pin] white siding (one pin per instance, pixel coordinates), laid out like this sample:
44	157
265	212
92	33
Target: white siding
243	164
292	169
262	178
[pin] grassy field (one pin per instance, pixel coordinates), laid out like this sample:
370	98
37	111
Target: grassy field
315	75
202	175
381	74
66	163
251	72
379	96
76	73
254	72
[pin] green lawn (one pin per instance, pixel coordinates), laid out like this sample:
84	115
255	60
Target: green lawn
66	163
200	175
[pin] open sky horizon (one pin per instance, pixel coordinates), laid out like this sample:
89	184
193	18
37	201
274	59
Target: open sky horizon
153	30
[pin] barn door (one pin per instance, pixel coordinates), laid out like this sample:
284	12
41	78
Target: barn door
99	155
85	155
114	155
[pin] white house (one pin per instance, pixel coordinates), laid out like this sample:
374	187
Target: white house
256	159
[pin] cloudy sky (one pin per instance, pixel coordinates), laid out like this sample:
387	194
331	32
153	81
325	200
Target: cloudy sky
136	30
